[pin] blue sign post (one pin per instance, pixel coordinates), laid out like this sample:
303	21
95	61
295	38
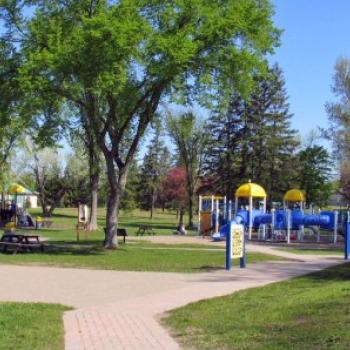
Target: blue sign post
235	245
228	248
243	259
347	240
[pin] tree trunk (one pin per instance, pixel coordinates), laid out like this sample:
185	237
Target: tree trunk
94	170
182	212
190	210
117	184
152	205
111	241
154	199
94	199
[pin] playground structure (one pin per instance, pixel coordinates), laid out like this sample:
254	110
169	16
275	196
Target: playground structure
289	224
14	214
211	214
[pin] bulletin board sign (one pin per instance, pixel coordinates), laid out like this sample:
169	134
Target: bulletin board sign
237	241
235	245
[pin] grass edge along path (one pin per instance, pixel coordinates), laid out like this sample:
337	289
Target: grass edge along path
131	259
34	326
308	312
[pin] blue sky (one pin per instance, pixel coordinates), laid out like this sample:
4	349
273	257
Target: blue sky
316	33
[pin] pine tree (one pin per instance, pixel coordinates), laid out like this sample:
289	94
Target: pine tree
155	166
227	146
273	141
253	139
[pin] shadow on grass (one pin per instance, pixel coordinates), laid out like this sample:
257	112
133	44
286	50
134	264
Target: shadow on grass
78	248
334	273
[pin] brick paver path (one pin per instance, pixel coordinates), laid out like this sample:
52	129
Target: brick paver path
120	310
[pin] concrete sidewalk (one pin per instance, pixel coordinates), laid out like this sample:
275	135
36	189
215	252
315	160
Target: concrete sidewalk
120	310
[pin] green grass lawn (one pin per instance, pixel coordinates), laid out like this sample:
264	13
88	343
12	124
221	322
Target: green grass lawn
31	326
309	312
129	257
317	251
62	249
162	223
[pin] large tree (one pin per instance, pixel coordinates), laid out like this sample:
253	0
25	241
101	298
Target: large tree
13	116
339	110
252	139
190	138
314	171
117	60
339	118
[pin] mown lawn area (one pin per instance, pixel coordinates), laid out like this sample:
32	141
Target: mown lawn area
316	251
129	257
33	326
309	312
163	223
62	249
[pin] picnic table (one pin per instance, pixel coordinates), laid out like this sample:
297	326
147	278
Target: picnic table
145	229
20	242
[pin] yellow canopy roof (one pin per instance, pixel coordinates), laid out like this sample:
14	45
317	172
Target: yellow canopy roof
250	189
16	188
294	195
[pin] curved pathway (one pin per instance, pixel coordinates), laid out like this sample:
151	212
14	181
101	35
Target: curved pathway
120	310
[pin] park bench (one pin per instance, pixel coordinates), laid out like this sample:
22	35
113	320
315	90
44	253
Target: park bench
121	232
145	229
23	243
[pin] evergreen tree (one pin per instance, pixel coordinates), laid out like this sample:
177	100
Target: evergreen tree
225	152
154	167
253	139
273	141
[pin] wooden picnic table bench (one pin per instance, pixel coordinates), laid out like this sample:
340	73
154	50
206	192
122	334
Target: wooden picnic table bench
145	229
19	242
121	232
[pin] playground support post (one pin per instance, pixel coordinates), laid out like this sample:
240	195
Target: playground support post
225	208
302	228
236	206
229	216
250	218
335	238
217	216
264	227
318	239
289	217
199	215
272	222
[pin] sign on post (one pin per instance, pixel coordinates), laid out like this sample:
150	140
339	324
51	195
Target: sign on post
235	245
